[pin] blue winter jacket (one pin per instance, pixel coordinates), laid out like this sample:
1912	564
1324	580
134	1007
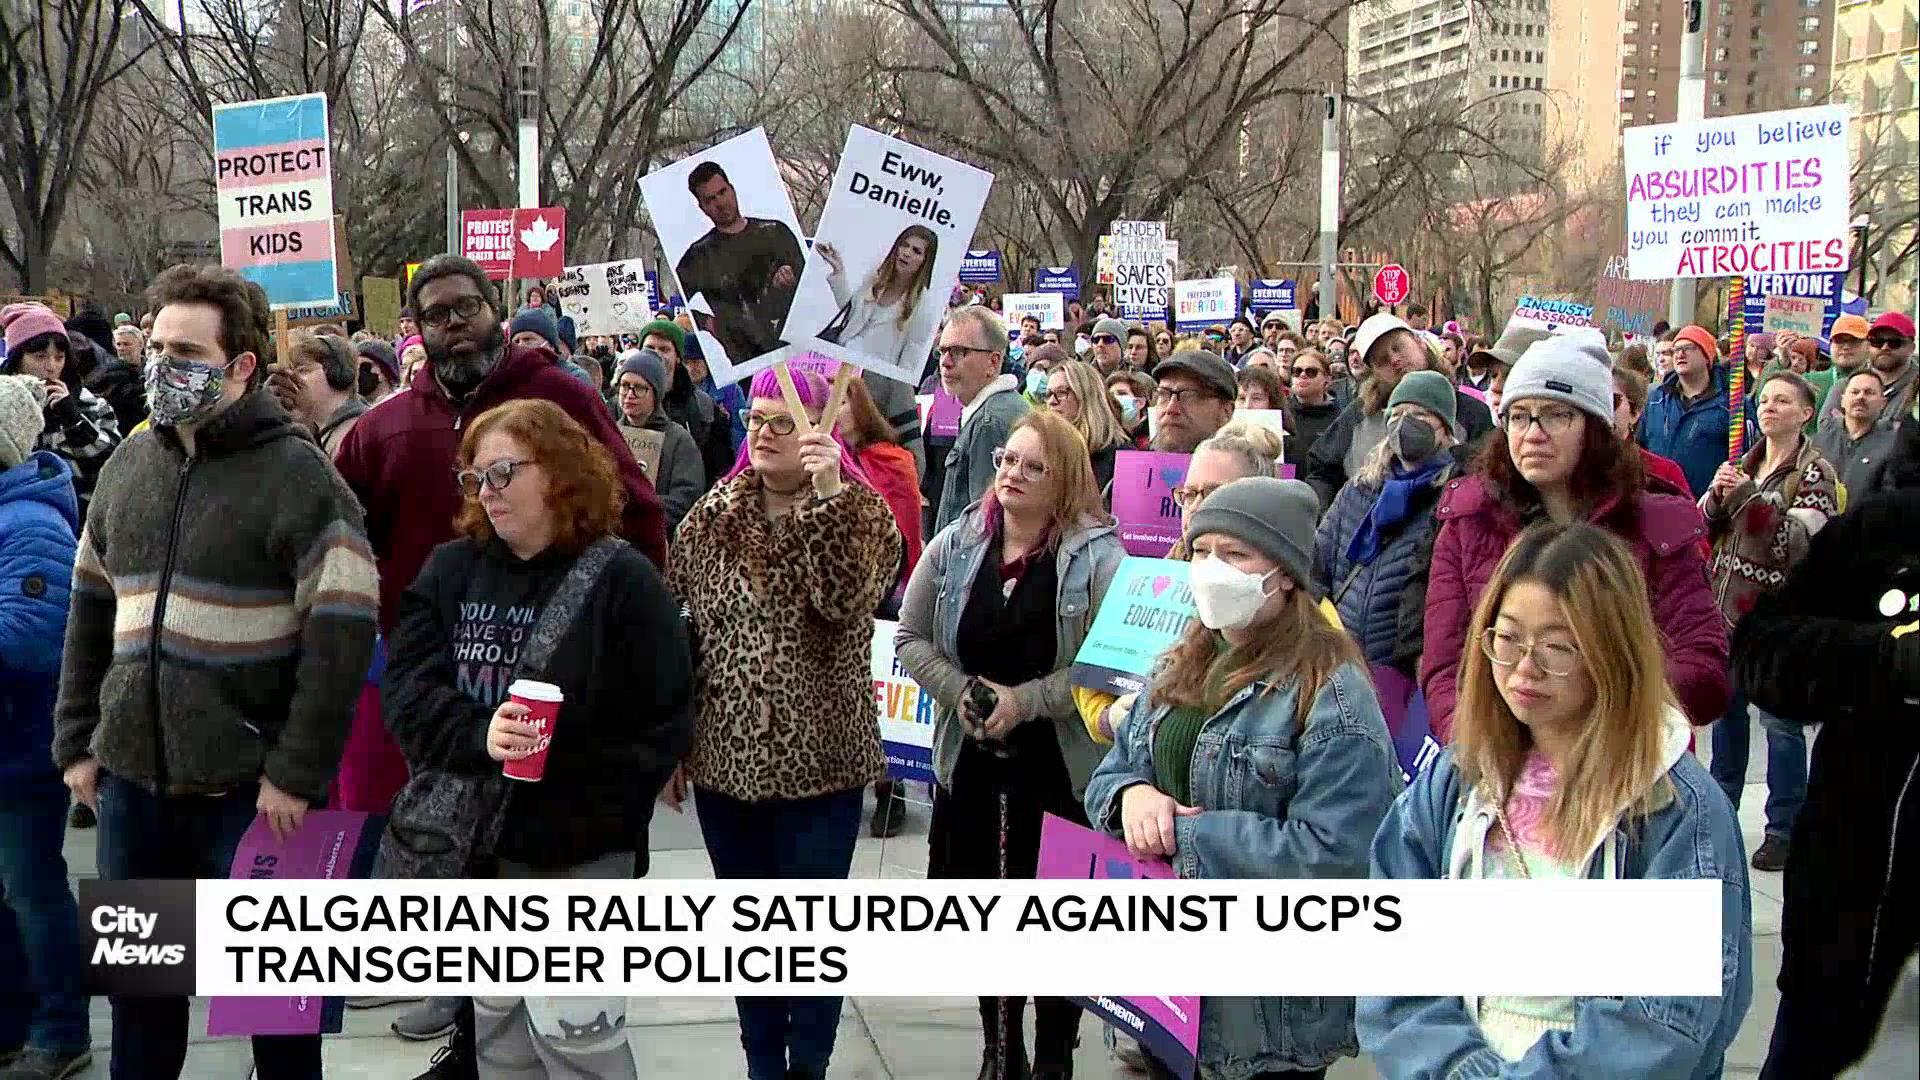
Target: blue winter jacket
39	514
1692	835
1369	603
1695	435
1282	799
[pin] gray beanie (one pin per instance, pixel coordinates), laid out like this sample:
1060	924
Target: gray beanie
1277	518
647	364
1571	367
1111	326
22	399
1431	391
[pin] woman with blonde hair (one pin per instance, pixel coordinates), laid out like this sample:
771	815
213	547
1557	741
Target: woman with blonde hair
1569	761
877	319
995	613
1258	750
1076	394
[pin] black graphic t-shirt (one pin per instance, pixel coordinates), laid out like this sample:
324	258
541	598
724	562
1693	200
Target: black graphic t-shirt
497	617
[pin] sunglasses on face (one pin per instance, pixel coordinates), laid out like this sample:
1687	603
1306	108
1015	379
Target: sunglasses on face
1886	341
1105	339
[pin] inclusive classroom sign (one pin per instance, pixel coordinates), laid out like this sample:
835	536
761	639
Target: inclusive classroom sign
1759	193
1205	302
1064	280
1143	483
980	267
1551	315
274	184
1169	1027
905	711
1146	609
329	845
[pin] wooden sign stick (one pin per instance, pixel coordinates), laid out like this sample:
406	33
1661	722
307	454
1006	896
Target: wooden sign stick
280	337
838	399
801	422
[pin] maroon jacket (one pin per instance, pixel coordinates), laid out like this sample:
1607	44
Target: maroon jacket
399	459
1663	528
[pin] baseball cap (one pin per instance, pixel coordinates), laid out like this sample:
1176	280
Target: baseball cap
1849	325
1897	321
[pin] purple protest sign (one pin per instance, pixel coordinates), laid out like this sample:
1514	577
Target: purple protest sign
1143	483
824	366
330	845
1169	1027
1404	707
943	420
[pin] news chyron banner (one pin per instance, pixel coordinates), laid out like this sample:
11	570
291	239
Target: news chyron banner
1126	938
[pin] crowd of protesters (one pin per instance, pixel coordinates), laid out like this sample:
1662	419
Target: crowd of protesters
246	578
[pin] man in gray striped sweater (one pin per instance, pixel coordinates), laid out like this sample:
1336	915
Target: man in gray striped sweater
223	615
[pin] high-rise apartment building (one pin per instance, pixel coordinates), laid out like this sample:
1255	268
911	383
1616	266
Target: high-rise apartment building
1616	66
1876	66
1405	54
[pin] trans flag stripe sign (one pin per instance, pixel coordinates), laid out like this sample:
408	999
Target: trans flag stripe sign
274	179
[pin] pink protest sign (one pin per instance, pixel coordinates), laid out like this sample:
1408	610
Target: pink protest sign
330	845
1169	1027
1143	483
943	420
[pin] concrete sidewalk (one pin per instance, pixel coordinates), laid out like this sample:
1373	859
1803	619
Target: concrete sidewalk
880	1038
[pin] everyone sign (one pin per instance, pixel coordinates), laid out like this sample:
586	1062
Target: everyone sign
980	267
1205	302
1049	308
1272	294
1829	288
1757	193
274	186
905	711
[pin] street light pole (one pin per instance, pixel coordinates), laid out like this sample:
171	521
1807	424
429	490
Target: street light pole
447	13
529	98
1329	204
1692	107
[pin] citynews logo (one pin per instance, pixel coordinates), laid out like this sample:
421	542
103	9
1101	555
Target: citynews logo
138	936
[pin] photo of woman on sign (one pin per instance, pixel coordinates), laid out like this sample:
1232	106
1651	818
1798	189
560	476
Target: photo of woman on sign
876	319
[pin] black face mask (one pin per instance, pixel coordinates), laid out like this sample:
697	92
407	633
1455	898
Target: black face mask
369	381
1413	441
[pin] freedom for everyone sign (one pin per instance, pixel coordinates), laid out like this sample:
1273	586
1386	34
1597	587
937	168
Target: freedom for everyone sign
905	711
1049	308
1757	193
1204	302
274	184
606	298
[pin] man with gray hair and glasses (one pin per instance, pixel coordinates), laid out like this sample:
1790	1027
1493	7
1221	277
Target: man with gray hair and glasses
973	347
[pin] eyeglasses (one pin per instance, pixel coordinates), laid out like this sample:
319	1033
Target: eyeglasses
1029	469
1507	650
1186	397
1886	341
466	307
625	390
778	423
1105	339
1054	397
1551	421
496	476
1190	497
957	353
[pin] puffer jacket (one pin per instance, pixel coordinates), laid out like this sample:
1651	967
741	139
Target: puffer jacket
1760	530
782	611
1368	596
38	522
1693	433
1664	530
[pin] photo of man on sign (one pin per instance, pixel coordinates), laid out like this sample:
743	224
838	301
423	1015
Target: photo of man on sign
746	267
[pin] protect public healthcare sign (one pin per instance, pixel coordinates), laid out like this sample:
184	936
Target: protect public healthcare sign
1146	609
273	180
1758	193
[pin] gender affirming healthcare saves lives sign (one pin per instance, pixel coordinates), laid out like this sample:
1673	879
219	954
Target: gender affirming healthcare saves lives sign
1760	193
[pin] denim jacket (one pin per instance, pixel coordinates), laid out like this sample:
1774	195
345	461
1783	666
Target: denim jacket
1692	836
1282	800
930	633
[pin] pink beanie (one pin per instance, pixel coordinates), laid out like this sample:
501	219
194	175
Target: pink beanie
24	322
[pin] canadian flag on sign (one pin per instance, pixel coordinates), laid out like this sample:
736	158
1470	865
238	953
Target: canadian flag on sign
539	242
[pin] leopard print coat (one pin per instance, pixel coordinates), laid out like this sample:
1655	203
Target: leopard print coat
783	611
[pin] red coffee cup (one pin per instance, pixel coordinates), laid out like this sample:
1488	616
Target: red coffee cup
543	710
